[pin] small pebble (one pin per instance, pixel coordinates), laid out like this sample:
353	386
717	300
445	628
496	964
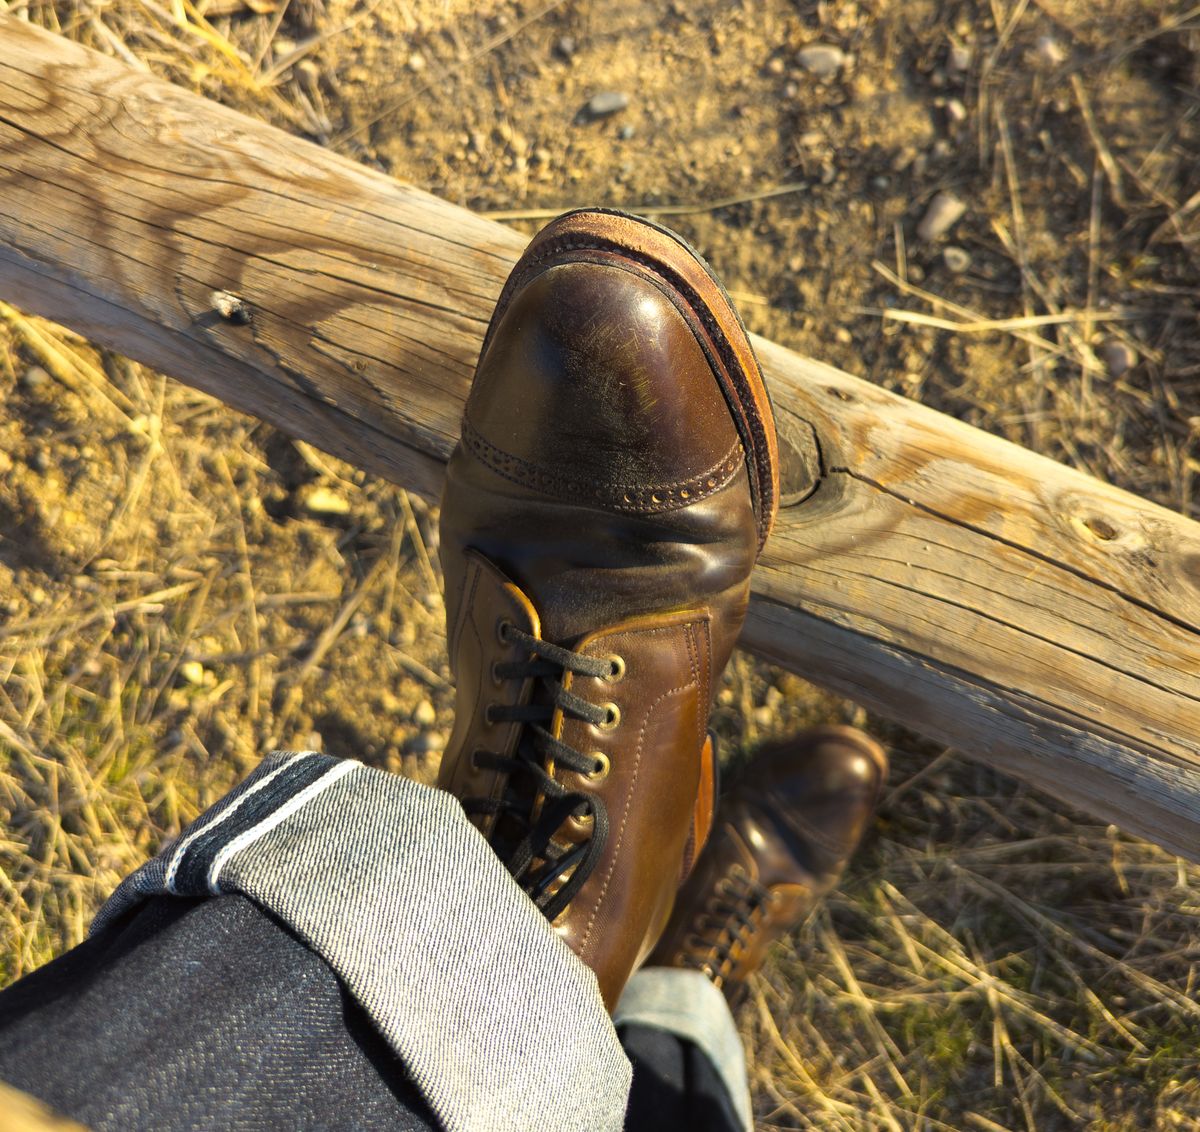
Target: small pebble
775	66
232	308
34	377
565	47
428	742
416	62
956	259
959	59
425	715
192	672
626	132
821	60
1050	52
605	103
944	211
322	501
956	112
1118	356
41	460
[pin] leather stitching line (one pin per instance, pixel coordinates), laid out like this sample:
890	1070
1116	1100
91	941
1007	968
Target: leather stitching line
660	497
587	935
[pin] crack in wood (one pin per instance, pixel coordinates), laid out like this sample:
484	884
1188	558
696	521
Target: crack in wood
1075	571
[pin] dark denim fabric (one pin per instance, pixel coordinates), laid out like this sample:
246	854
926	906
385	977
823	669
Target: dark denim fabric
212	1015
206	1015
675	1086
498	1023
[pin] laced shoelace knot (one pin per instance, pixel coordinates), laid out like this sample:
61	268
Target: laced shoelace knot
550	874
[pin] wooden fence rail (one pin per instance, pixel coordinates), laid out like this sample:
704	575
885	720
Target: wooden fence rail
1035	618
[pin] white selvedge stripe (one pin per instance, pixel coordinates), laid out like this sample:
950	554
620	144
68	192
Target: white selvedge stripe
229	811
249	836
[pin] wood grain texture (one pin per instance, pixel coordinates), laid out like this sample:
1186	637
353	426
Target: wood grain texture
126	203
1033	617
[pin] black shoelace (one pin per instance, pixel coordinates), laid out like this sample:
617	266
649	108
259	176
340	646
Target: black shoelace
725	922
535	861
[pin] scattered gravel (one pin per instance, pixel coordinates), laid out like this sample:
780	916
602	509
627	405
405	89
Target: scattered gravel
604	104
1050	52
821	60
427	743
956	259
34	377
1119	356
318	500
944	211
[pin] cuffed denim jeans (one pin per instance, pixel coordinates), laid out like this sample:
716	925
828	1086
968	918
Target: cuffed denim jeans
332	946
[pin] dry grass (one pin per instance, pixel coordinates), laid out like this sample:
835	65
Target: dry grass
181	588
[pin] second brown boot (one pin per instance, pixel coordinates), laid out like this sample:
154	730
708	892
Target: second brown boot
616	477
781	839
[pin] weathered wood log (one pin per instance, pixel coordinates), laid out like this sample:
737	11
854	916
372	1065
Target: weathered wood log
1039	620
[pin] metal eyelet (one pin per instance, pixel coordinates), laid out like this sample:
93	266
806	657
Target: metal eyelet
599	772
610	722
502	627
618	670
487	714
497	679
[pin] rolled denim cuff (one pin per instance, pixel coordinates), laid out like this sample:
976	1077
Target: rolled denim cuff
498	1023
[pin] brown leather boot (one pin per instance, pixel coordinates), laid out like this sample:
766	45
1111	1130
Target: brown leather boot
781	840
616	477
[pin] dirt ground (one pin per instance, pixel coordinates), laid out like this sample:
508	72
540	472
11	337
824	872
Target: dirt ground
182	588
